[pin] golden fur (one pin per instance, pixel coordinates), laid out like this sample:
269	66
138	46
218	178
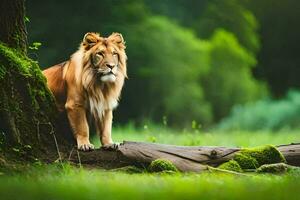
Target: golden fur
90	83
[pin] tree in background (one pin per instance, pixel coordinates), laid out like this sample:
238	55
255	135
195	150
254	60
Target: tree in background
230	81
278	59
166	64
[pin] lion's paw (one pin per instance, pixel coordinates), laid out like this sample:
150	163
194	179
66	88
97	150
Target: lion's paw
86	147
110	147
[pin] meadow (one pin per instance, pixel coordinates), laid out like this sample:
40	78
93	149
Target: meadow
56	181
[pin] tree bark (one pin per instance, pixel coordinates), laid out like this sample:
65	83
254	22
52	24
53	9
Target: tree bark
185	158
13	30
27	107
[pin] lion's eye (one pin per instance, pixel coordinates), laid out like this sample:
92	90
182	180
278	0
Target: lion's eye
100	53
115	54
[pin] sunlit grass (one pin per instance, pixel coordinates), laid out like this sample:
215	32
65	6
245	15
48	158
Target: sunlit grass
159	134
53	181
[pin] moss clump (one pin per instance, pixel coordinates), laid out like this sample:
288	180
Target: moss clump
161	165
246	161
263	155
253	158
276	168
231	165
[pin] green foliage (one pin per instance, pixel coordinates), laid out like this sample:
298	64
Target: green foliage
265	114
168	74
232	16
231	165
230	81
162	165
35	46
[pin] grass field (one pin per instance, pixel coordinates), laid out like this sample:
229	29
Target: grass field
57	182
152	133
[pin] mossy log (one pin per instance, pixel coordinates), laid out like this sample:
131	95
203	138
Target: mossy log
185	158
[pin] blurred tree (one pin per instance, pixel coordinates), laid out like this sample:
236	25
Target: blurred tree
205	16
165	73
185	12
278	60
230	81
231	16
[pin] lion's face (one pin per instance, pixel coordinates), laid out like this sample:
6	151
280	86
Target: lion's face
105	61
107	56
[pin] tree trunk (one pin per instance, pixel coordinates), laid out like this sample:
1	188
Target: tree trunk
27	108
185	158
13	31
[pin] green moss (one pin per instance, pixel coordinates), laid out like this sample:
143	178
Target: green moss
246	161
263	155
25	99
273	168
29	70
253	158
161	165
2	71
231	165
15	58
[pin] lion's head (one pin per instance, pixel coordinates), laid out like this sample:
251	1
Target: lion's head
103	60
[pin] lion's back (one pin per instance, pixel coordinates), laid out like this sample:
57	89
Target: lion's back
56	84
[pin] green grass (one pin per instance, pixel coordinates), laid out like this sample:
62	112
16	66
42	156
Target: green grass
56	182
152	133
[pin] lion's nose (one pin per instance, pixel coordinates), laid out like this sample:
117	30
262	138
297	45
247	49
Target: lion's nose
110	65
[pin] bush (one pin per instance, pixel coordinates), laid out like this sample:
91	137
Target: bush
265	114
230	81
165	73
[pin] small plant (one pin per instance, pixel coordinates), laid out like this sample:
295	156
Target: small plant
151	138
35	46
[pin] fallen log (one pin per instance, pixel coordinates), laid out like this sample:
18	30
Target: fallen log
185	158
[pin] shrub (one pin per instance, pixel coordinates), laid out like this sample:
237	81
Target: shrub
265	114
230	81
165	72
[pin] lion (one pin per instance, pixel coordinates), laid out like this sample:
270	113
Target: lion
89	84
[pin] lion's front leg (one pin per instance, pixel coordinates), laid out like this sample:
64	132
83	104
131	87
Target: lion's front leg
104	129
77	118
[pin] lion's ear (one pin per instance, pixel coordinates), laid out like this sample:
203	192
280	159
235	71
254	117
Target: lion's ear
90	39
117	38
